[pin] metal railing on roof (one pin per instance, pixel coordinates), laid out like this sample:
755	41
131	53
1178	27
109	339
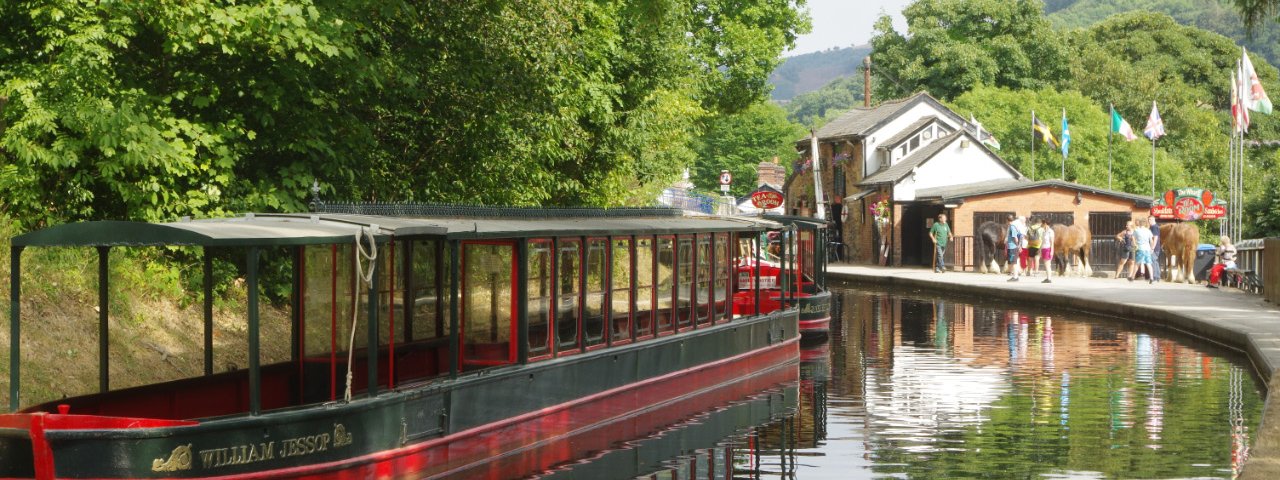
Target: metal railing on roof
485	211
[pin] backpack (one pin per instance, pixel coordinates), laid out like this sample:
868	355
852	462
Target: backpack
1034	234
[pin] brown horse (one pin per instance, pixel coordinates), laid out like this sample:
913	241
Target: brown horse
1071	245
1179	241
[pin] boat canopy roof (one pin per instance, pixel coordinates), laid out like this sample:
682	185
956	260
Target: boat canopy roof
330	228
808	223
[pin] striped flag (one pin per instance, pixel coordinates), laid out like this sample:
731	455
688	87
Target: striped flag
1121	126
1155	126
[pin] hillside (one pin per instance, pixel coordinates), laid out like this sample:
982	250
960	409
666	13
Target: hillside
1213	15
811	71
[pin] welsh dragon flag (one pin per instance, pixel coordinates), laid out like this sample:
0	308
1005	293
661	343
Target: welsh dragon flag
1253	97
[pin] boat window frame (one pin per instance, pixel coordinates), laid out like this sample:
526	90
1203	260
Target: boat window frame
703	318
630	328
652	312
670	311
604	301
557	348
551	296
686	323
512	343
722	259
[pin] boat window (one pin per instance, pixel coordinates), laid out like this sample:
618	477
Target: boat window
420	351
620	289
593	307
569	279
644	286
426	290
488	303
539	285
326	304
665	283
702	279
721	290
807	256
684	282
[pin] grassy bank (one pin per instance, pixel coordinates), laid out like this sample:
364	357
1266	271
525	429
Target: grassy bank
155	321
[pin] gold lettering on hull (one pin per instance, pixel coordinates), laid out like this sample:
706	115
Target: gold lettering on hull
182	458
179	459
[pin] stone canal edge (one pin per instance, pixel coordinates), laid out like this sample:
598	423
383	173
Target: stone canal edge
1236	319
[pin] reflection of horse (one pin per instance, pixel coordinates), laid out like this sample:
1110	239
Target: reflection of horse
1179	241
1071	245
990	236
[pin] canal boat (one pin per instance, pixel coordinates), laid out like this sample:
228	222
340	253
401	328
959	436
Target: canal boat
426	341
790	271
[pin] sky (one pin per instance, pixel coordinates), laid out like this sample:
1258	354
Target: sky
845	23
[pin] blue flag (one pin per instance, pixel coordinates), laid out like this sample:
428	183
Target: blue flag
1066	134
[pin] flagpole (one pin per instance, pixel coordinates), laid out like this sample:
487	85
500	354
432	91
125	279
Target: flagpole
1110	133
1033	145
1064	146
1153	167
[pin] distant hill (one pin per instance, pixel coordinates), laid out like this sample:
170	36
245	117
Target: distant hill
1213	15
810	71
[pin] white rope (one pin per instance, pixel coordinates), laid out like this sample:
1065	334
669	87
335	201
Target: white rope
370	256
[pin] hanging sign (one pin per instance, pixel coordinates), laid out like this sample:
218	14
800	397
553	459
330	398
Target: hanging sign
766	198
1188	204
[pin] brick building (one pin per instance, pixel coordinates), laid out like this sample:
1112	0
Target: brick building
912	158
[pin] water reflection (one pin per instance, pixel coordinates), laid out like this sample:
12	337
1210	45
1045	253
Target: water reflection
913	386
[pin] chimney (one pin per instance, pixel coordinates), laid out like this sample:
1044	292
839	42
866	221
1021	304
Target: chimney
866	81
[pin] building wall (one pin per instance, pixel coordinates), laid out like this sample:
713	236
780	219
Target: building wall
955	164
1045	199
871	162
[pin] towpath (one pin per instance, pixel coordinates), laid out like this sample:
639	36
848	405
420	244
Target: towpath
1228	316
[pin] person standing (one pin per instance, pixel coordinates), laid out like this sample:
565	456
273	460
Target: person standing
1034	235
1143	243
1125	238
1014	239
1225	258
1155	248
1046	247
940	233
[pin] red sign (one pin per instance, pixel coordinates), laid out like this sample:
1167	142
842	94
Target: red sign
725	177
766	200
1187	204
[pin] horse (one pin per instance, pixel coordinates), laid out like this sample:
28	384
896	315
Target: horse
1179	241
990	242
1071	246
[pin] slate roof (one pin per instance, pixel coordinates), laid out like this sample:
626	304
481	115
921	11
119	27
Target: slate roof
960	192
861	121
900	170
907	132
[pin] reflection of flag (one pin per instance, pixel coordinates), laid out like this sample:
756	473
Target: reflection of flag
1066	134
1252	96
1155	126
1121	126
1042	131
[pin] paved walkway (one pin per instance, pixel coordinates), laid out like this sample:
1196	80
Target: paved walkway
1226	315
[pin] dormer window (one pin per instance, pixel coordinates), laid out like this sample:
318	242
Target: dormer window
928	133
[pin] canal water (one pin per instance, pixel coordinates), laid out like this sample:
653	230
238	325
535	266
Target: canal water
914	385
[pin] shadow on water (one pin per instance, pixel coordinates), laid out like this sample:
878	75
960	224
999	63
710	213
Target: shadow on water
915	385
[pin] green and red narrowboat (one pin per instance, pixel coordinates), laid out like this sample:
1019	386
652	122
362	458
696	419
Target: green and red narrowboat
791	270
426	342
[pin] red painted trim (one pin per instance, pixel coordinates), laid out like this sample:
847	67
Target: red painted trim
816	325
382	461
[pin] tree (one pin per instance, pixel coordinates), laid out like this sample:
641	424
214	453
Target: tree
815	108
955	45
155	110
739	142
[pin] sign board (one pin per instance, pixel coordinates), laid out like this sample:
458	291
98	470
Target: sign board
1189	204
766	199
725	177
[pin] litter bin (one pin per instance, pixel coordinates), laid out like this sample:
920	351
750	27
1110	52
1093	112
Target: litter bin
1204	261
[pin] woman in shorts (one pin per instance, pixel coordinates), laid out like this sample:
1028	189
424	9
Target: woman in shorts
1046	248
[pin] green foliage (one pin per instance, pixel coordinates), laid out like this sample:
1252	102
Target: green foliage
1212	15
739	142
806	73
153	110
954	45
816	108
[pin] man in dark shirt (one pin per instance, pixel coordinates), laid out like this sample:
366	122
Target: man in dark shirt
940	233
